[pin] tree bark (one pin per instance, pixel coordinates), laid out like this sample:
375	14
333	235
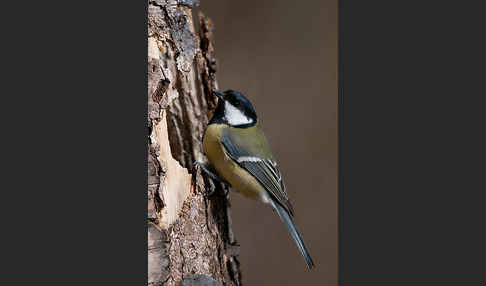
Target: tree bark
190	241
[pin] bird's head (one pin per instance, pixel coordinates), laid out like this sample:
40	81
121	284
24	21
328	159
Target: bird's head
234	109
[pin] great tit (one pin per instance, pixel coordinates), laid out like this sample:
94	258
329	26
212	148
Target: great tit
239	155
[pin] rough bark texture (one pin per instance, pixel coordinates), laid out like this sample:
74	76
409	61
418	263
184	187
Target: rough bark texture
190	241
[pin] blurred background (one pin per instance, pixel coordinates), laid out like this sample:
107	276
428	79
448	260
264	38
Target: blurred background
283	56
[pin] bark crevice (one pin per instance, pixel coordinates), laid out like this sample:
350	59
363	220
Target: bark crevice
189	235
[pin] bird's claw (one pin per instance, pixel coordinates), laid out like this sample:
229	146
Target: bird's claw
212	177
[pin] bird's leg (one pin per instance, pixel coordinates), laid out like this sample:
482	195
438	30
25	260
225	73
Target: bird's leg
212	175
212	188
210	172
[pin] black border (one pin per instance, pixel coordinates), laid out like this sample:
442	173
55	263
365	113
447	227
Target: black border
75	106
340	144
410	149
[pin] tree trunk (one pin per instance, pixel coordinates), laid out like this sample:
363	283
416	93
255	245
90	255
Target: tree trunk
190	241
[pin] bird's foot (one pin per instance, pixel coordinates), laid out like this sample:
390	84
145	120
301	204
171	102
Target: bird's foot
212	177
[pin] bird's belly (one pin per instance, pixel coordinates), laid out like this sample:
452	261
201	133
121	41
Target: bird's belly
242	181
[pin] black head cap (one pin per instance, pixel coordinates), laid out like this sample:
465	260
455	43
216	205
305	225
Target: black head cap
234	109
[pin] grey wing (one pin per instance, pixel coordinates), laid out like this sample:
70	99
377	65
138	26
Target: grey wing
265	170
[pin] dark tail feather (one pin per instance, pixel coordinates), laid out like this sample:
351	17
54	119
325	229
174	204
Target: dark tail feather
294	232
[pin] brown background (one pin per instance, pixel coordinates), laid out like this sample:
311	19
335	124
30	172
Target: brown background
282	54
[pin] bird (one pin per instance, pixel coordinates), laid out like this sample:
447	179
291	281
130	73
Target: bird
239	156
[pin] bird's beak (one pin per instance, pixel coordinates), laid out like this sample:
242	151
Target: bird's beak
219	94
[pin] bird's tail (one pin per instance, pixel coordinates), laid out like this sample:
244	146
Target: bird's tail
294	232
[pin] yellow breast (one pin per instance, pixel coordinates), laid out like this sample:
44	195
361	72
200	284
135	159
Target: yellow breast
239	178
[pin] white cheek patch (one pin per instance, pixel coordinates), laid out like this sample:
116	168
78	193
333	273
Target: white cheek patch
234	116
